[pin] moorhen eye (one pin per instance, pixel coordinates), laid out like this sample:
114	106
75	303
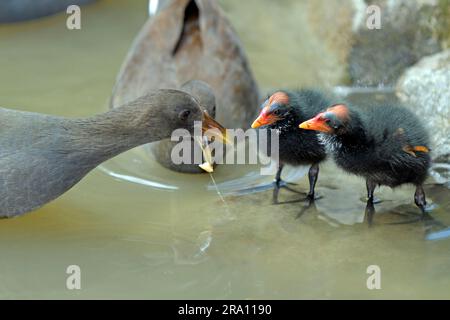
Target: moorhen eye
184	115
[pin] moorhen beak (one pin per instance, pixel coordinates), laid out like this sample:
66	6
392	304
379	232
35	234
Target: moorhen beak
265	118
43	156
318	123
211	128
282	111
386	144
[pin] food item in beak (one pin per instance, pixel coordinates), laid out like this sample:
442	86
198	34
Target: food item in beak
208	165
210	128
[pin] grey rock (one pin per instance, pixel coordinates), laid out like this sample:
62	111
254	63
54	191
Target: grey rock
410	30
379	57
425	89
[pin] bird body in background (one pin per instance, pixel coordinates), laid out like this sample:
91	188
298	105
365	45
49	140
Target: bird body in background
188	40
282	111
385	144
43	156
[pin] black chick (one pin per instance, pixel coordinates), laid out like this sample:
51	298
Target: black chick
282	111
385	144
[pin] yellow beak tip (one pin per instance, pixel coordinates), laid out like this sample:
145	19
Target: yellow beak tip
256	124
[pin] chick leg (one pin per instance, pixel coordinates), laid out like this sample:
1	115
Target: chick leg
279	183
429	221
313	174
420	200
370	209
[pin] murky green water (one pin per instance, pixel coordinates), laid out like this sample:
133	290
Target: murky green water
138	230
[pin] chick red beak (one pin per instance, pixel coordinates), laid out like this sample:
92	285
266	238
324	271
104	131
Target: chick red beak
209	123
317	123
258	122
264	119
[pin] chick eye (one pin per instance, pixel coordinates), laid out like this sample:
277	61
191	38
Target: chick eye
277	112
183	115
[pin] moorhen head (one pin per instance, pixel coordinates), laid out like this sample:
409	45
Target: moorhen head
162	150
282	112
385	144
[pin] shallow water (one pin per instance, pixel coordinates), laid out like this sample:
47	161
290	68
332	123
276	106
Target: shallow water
138	230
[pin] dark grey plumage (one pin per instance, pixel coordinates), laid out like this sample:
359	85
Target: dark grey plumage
42	156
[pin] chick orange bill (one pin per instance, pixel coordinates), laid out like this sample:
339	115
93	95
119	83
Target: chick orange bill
209	125
318	123
265	118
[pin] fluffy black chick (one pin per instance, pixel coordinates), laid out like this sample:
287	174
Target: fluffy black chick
386	144
282	112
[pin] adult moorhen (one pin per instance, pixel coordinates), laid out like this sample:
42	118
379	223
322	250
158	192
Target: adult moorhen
385	144
282	111
43	156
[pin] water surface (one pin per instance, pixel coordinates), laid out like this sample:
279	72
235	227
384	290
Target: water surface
138	230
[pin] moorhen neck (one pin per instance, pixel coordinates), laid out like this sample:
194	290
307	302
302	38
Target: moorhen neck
282	111
43	156
385	144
